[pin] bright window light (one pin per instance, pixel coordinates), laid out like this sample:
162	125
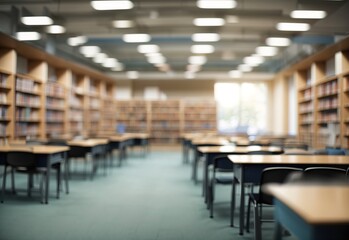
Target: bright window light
235	74
202	49
278	41
36	20
55	29
123	23
112	5
132	74
148	48
136	38
308	14
209	21
76	41
287	26
28	36
216	4
266	51
198	60
89	51
205	37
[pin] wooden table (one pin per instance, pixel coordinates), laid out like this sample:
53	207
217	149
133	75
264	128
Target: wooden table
311	212
210	152
46	156
248	169
96	147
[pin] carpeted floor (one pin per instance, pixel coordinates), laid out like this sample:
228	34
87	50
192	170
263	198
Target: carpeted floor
147	198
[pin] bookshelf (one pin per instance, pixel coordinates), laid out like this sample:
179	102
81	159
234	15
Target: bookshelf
199	116
93	100
165	121
133	116
108	108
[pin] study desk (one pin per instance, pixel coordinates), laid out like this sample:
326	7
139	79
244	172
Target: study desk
210	152
96	147
46	157
248	169
311	212
209	141
121	142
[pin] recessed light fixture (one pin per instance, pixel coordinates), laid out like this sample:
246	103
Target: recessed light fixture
110	62
76	41
266	51
100	57
288	26
36	20
253	60
245	68
209	22
278	41
235	74
55	29
119	67
136	38
308	14
148	48
216	4
112	5
197	60
28	36
89	51
202	49
156	59
205	37
123	24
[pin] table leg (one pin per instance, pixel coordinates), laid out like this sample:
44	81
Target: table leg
242	205
47	187
195	163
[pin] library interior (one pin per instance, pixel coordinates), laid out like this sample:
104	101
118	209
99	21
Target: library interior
122	119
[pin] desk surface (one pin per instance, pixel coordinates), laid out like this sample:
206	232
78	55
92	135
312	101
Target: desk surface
88	142
231	149
315	204
35	149
210	140
289	159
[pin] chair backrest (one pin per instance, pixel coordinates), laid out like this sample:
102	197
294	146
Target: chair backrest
303	146
274	175
57	142
223	163
21	159
76	152
325	175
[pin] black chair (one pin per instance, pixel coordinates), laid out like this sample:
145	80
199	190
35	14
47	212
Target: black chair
260	199
23	162
296	145
223	165
324	175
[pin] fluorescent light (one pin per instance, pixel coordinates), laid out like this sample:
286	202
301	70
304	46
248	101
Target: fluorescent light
100	57
266	51
278	41
216	4
253	60
205	37
245	68
198	60
308	14
119	67
202	49
148	48
112	5
55	29
209	21
189	75
76	41
28	36
156	59
36	20
287	26
89	51
132	74
235	74
136	38
123	23
232	19
110	62
193	67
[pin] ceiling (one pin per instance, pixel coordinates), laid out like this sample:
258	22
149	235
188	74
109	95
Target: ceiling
170	25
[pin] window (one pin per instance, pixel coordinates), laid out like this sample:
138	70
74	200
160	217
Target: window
242	107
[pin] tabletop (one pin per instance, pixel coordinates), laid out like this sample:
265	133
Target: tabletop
88	142
244	149
39	149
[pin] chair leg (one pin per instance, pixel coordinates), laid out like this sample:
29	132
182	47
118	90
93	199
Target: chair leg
42	188
3	184
257	223
232	203
58	180
13	188
211	197
248	215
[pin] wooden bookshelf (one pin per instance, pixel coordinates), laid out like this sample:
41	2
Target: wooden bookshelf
94	106
199	116
108	109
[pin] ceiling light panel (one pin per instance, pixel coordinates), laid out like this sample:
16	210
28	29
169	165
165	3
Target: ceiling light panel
89	51
112	5
209	22
28	36
278	41
123	24
202	49
55	29
200	60
216	4
76	41
148	48
297	27
205	37
136	38
266	51
36	20
308	14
